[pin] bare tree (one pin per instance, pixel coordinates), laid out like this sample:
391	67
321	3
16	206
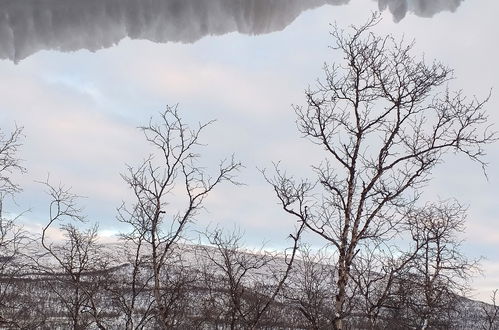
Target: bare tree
439	273
244	286
74	279
157	183
385	121
11	234
13	311
9	161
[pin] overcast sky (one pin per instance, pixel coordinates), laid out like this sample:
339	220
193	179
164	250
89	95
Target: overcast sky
80	76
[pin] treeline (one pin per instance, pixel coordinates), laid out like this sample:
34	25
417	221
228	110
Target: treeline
390	260
221	286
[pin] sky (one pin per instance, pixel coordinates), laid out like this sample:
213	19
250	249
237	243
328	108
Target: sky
80	76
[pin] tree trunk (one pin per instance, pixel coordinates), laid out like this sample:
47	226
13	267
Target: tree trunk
340	296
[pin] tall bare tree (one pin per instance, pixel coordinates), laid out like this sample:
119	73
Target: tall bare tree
170	172
385	119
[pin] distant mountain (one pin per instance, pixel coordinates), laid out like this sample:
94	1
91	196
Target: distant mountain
38	292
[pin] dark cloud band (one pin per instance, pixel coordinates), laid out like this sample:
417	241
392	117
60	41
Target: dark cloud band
67	25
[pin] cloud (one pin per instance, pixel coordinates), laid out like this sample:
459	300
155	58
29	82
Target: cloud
423	8
27	27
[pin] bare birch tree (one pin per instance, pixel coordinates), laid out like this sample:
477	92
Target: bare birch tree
385	119
171	171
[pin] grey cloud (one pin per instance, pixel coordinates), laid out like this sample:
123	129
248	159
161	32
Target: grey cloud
423	8
67	25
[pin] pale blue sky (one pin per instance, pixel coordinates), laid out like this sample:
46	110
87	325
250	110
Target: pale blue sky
80	110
